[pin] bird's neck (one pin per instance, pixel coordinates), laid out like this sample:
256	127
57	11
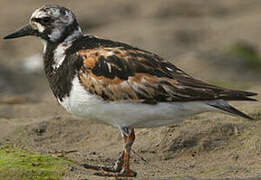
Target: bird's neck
75	34
54	53
58	65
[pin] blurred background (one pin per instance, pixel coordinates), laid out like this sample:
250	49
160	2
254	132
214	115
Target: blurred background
216	41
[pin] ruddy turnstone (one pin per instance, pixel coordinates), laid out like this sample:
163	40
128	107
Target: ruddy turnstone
118	84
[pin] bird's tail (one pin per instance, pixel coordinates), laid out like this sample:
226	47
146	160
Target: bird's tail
223	106
232	95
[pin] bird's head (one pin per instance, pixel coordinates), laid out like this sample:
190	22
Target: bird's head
51	23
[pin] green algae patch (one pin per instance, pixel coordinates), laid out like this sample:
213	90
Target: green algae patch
16	163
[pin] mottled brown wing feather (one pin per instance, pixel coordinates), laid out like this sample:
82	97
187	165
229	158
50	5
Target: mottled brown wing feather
122	74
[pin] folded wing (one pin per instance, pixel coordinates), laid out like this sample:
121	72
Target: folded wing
123	73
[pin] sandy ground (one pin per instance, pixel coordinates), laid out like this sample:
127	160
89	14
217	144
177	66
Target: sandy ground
195	35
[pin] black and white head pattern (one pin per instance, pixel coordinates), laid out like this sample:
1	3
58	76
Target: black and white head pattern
54	23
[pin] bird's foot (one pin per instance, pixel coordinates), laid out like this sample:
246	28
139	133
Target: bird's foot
101	168
122	167
115	171
122	173
116	168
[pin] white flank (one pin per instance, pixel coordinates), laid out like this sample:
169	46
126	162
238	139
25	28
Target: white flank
126	114
79	102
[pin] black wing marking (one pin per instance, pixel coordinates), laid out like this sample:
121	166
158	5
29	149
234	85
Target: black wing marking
116	71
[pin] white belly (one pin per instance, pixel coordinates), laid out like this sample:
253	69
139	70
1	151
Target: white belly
123	114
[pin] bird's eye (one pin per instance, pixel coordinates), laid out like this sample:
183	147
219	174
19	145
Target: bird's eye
46	20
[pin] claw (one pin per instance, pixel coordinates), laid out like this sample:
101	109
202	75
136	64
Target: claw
123	173
100	168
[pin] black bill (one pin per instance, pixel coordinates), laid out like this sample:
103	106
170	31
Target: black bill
24	31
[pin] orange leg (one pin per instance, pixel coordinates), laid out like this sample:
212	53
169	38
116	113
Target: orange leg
122	166
128	140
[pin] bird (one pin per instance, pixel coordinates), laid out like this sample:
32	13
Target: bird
119	84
